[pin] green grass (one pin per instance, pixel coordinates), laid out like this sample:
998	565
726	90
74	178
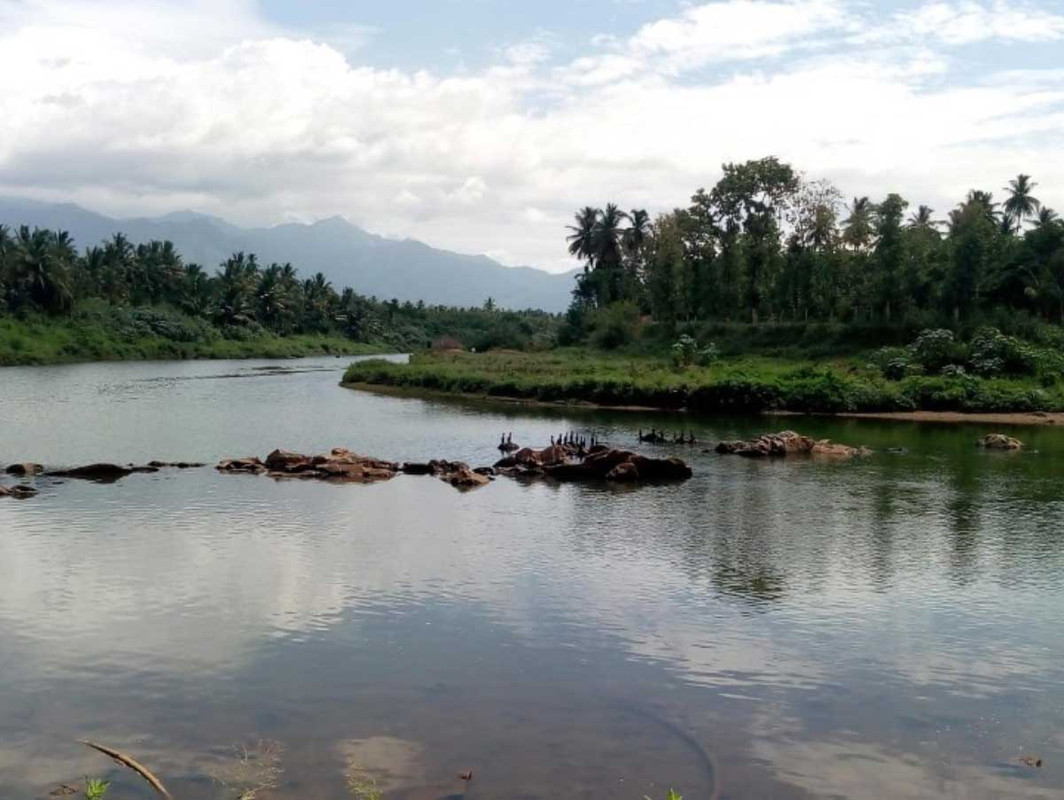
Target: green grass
108	334
737	384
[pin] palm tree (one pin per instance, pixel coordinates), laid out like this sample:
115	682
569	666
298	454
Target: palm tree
581	240
985	200
271	298
235	281
921	219
857	228
1021	205
1046	216
196	290
40	272
638	230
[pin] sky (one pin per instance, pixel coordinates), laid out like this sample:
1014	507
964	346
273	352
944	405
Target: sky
482	125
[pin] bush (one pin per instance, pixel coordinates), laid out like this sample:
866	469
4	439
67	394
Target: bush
994	353
935	348
615	326
686	352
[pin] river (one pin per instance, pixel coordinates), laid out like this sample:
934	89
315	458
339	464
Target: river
885	628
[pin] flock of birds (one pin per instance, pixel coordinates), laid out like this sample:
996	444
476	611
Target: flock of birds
584	442
571	439
661	437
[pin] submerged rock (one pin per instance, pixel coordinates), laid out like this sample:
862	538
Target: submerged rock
24	469
176	464
414	468
245	465
999	441
19	492
787	443
104	473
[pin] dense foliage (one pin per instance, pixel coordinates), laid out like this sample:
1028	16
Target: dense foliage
126	295
766	244
737	385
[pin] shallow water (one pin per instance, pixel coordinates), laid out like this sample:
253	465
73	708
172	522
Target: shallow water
889	627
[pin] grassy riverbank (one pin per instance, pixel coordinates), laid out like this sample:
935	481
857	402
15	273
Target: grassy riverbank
737	384
130	335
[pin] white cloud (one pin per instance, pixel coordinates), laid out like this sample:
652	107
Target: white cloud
131	110
967	22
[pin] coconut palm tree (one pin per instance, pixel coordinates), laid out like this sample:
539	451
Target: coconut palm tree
271	298
922	219
1021	204
857	228
638	230
984	200
196	291
1046	216
581	240
40	270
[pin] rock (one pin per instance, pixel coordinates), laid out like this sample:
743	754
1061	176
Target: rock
602	462
21	492
416	469
624	473
1031	761
999	441
525	456
506	463
443	467
553	455
25	469
355	473
828	449
622	466
245	465
103	473
465	478
788	443
661	469
283	460
488	471
175	465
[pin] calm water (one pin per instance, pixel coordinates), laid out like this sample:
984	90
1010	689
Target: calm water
888	628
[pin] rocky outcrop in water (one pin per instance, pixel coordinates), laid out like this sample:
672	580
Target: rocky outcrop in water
101	473
600	463
339	465
789	443
19	492
999	441
456	473
24	469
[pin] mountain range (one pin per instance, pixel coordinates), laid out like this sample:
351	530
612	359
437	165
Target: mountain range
348	255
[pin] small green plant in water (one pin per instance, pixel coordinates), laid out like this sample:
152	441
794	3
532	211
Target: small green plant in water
360	784
673	795
95	788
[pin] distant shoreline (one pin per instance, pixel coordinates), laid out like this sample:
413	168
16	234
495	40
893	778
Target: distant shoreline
1019	418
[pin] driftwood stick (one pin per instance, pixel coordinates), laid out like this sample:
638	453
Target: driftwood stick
137	767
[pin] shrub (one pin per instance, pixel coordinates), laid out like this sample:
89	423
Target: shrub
615	326
994	353
935	348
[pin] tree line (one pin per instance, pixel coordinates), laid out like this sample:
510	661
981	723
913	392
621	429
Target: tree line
41	271
765	243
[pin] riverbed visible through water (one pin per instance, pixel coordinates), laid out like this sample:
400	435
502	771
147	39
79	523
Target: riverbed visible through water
889	627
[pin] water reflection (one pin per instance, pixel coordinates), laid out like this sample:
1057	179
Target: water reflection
887	627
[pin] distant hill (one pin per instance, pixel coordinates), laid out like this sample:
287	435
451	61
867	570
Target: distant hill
346	254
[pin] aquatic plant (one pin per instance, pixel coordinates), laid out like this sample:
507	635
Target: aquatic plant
95	788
